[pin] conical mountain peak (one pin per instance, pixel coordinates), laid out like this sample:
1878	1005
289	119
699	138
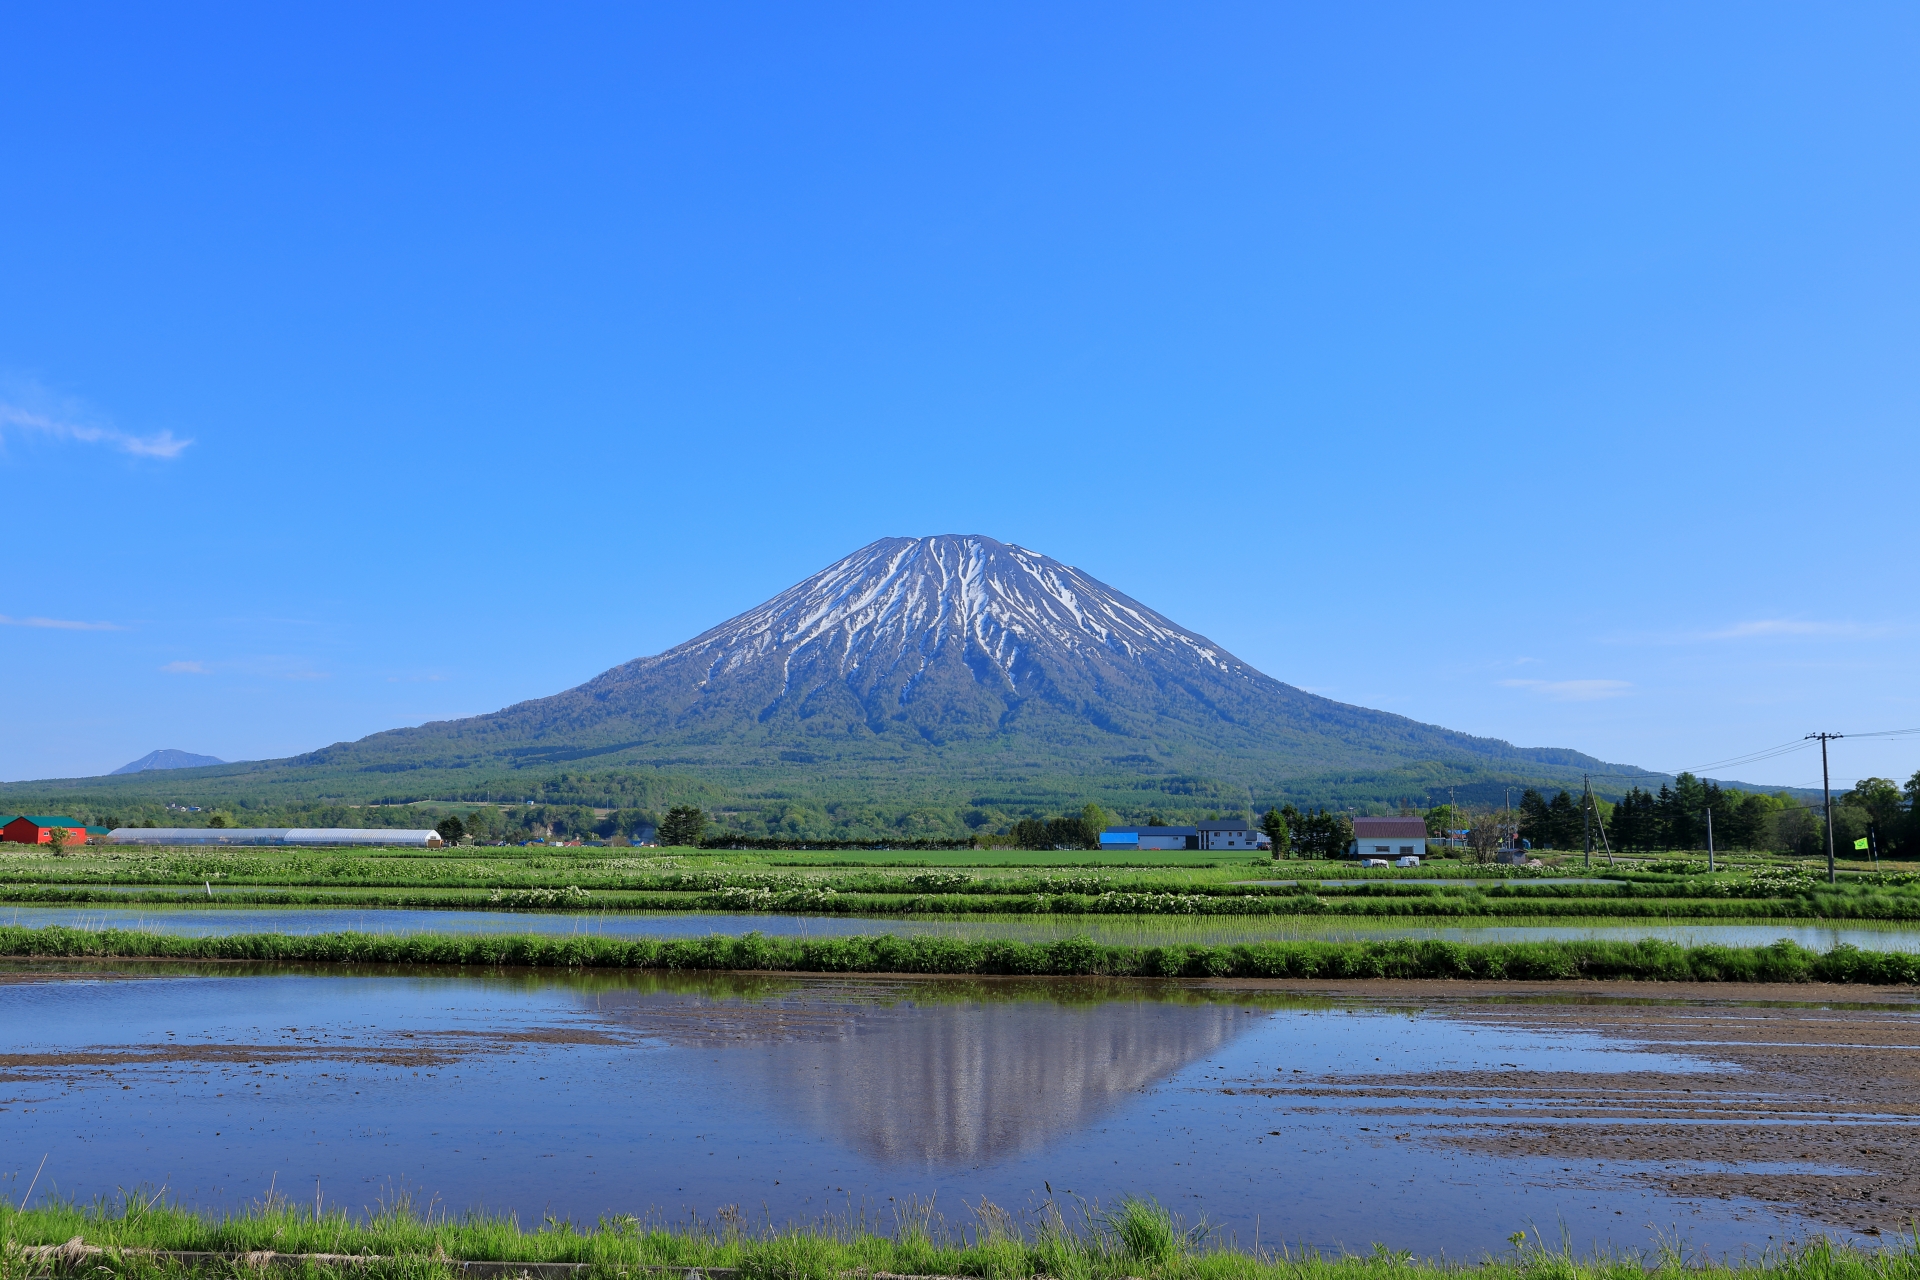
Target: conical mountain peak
913	602
952	669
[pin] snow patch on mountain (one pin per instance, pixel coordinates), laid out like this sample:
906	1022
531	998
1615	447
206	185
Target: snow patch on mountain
902	601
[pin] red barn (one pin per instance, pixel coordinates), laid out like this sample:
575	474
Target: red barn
38	829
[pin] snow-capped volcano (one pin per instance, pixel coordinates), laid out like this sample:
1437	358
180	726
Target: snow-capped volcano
900	608
923	662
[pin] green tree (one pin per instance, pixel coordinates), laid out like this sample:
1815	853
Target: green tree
1884	807
1274	823
1686	817
1633	823
1097	820
1030	833
1746	823
683	826
1323	835
1797	831
1910	832
1566	829
57	837
451	829
1536	820
635	824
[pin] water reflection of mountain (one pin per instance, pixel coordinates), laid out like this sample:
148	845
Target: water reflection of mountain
952	1082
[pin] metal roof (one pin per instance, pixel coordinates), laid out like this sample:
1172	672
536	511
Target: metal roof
1389	828
274	835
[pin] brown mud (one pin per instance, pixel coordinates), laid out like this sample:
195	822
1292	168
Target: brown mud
1797	1075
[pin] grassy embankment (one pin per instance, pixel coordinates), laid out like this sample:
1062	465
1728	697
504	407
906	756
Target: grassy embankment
1749	887
1135	1239
1645	960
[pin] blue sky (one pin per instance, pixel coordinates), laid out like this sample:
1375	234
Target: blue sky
1545	372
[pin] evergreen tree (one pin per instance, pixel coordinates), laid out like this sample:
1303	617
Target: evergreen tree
1686	823
1274	823
451	829
683	826
1323	835
1565	827
1536	823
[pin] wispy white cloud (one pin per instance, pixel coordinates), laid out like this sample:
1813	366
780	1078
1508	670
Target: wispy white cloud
1786	627
1572	690
1761	629
186	668
163	444
58	624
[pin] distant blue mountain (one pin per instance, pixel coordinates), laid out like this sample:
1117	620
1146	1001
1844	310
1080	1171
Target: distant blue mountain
168	760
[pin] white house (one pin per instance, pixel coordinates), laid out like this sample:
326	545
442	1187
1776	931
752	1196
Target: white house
1389	837
1234	833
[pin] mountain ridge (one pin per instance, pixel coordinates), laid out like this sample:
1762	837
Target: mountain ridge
912	644
167	758
941	673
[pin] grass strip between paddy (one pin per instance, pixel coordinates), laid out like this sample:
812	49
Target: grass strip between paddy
1645	959
1135	1238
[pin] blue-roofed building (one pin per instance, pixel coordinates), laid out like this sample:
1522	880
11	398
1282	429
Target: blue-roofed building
1144	837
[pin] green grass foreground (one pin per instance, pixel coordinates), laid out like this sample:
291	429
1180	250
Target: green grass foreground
1646	960
1135	1239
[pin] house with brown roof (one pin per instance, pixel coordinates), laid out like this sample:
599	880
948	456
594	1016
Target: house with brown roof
1389	837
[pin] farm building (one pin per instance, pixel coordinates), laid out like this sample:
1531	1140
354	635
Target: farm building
1233	833
277	835
1389	837
38	829
1150	838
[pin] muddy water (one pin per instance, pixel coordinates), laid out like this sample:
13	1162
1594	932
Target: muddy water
1136	930
1303	1118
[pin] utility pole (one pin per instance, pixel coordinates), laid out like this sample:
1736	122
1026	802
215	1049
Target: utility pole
1826	787
1709	841
1586	815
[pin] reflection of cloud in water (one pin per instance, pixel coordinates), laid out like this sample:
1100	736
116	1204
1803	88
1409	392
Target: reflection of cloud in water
949	1082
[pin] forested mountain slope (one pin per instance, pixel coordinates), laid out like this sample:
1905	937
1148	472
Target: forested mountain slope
941	672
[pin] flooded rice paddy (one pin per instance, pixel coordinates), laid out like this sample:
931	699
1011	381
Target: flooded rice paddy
1407	1114
1154	930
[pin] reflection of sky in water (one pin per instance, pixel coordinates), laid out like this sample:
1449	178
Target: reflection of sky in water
616	1093
1136	930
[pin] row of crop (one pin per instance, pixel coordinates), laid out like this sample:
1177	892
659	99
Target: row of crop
949	885
1080	956
1841	906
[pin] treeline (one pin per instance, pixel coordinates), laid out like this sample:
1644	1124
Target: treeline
1316	834
1677	816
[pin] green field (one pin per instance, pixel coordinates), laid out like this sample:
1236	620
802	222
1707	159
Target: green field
972	883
